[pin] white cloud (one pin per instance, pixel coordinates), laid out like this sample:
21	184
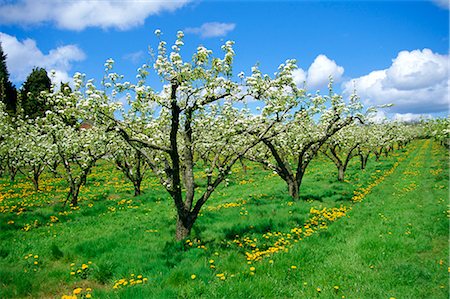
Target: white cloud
299	76
442	3
23	56
213	29
377	117
78	15
410	117
318	73
416	82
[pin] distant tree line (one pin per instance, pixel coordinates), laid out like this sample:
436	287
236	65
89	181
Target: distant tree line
26	100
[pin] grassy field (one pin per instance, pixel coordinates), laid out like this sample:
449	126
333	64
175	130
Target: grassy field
383	233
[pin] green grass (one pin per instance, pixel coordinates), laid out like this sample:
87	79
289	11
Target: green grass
392	244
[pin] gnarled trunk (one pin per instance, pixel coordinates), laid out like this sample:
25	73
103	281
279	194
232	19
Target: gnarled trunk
184	226
137	187
341	173
36	183
293	189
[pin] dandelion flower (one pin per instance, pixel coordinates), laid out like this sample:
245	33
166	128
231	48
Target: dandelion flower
193	276
77	291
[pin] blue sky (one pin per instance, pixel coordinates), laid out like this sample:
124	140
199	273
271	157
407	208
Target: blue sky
392	51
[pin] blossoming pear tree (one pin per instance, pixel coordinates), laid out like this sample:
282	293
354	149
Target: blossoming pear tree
298	139
342	147
78	148
193	122
35	150
130	161
9	144
439	129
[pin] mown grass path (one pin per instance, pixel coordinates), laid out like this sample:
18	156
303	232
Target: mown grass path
394	244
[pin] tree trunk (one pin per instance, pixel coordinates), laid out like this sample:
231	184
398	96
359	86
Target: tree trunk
73	194
293	189
364	159
137	187
36	183
184	227
12	173
377	156
341	173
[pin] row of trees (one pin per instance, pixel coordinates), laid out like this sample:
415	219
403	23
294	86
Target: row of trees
27	99
198	122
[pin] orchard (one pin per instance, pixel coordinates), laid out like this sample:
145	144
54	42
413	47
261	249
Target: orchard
127	190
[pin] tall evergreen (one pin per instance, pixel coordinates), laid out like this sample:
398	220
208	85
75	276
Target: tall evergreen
8	92
33	103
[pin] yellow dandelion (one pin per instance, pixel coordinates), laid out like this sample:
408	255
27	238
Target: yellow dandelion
293	267
252	269
77	291
193	276
88	296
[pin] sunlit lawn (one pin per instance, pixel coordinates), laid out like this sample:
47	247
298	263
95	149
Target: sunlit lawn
383	233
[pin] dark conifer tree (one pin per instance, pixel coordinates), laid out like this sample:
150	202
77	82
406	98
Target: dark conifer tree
33	103
8	92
